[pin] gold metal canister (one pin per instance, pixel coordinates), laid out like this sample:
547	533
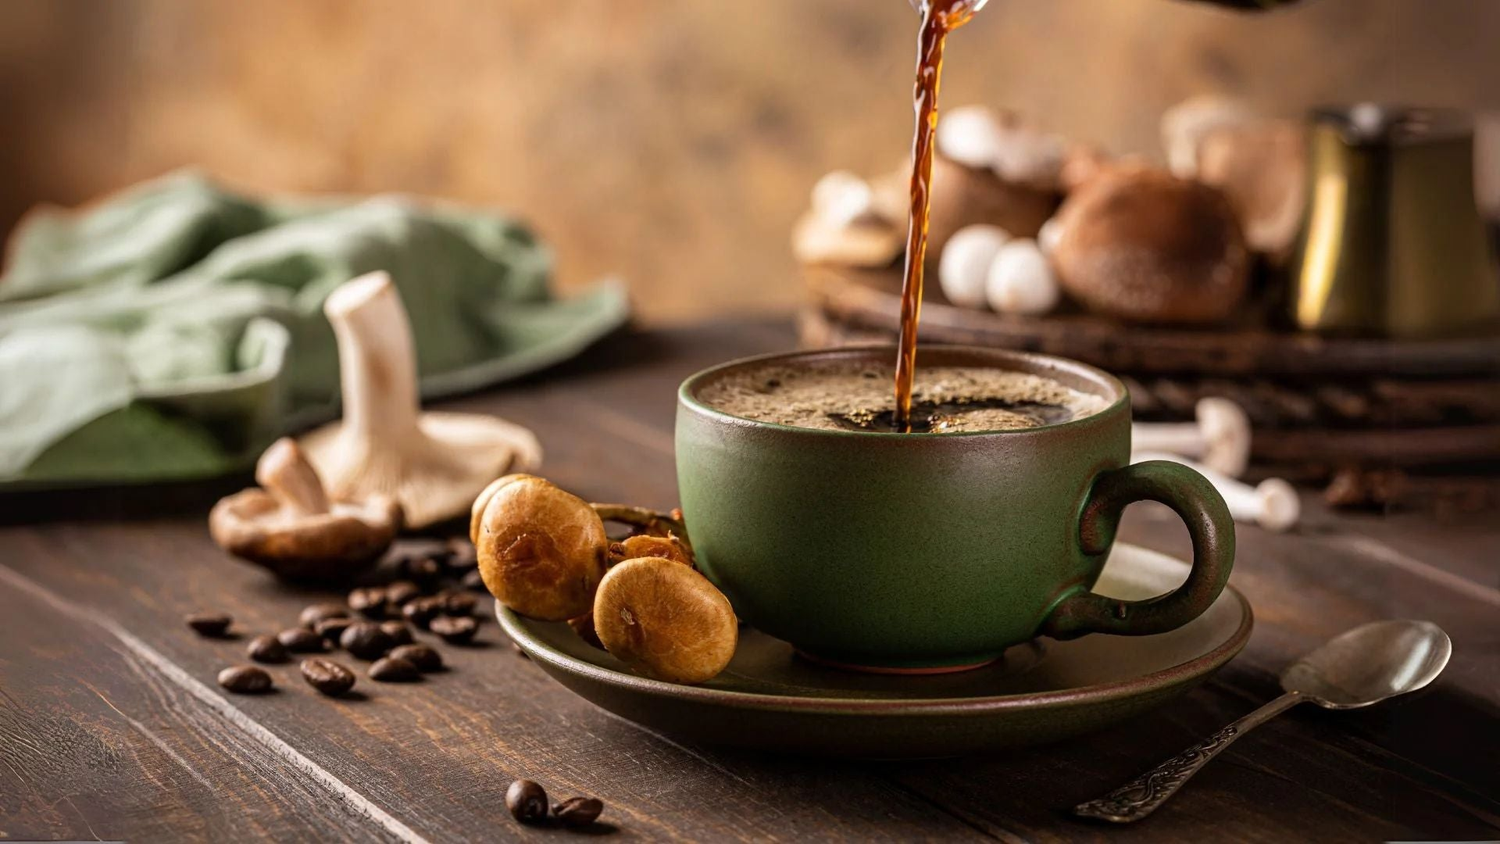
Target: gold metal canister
1393	243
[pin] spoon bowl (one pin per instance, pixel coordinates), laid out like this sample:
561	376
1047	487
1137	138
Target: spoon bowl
1369	664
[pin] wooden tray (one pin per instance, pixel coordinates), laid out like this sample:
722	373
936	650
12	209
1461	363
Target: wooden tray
870	299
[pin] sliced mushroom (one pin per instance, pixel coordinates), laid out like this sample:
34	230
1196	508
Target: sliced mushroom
541	550
1262	166
665	620
290	526
432	463
1143	245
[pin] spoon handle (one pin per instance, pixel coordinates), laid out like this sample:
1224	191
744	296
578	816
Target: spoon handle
1141	796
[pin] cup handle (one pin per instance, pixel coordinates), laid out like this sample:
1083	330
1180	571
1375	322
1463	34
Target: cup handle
1208	523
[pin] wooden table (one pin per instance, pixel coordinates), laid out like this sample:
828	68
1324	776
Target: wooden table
111	725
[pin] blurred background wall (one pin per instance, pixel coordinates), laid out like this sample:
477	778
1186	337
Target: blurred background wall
671	141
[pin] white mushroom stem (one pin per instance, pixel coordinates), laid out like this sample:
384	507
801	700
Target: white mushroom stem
284	472
1220	437
377	359
1273	503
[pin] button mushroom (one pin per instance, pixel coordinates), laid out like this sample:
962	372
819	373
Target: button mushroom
1020	281
432	463
541	550
966	261
1143	245
1220	437
665	620
290	526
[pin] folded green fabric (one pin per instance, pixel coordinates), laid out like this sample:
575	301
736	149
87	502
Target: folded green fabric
174	330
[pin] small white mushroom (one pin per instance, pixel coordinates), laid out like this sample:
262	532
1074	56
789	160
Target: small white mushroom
844	226
1273	503
1220	437
1020	280
971	136
842	198
1050	234
434	464
965	265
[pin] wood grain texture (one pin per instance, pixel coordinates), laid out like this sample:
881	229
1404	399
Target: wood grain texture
437	755
670	141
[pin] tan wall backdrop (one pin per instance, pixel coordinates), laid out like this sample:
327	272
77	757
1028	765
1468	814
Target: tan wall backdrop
671	141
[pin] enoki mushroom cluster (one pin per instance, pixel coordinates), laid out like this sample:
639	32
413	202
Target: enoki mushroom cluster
544	553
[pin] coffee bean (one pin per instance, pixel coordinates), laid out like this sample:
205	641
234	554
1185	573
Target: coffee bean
319	612
213	625
422	611
577	812
394	669
300	640
424	657
425	571
526	801
399	632
327	676
245	679
454	631
401	591
461	555
368	601
459	603
332	628
474	582
267	649
365	639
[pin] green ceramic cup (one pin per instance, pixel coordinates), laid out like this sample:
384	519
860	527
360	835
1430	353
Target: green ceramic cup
932	552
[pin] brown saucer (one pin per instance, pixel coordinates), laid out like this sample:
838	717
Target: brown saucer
1042	691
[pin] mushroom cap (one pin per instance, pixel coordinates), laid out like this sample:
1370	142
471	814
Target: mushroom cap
1280	508
254	525
483	500
665	620
1143	245
1262	166
965	263
434	475
541	550
965	196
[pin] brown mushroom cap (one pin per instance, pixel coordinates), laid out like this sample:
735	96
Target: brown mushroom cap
669	547
1262	166
292	529
483	501
665	620
1144	245
541	550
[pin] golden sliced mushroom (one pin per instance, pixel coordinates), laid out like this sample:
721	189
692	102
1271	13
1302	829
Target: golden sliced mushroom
434	464
290	526
665	620
541	550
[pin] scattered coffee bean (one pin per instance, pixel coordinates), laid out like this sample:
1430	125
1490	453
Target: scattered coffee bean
394	669
401	591
459	603
461	555
577	812
327	676
213	625
300	640
368	601
454	630
332	628
526	801
422	611
474	582
319	612
267	649
425	571
365	640
245	679
399	632
424	657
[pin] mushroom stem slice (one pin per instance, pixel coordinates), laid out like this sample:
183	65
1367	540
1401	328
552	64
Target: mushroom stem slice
434	464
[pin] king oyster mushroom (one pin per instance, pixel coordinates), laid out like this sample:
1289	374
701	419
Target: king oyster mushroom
1143	245
433	463
290	526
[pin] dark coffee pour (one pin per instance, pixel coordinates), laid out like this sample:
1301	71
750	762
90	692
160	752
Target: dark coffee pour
928	417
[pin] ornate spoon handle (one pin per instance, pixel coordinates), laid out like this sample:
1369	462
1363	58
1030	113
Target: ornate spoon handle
1141	796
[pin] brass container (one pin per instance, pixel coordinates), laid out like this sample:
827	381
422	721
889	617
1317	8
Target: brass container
1392	242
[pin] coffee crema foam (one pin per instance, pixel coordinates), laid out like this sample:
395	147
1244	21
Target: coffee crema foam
841	396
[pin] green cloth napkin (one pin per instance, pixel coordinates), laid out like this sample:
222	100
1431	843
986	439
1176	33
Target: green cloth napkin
174	330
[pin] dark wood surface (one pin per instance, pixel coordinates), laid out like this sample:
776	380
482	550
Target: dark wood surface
111	725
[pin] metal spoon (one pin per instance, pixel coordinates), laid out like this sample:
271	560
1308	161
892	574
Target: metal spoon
1360	667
